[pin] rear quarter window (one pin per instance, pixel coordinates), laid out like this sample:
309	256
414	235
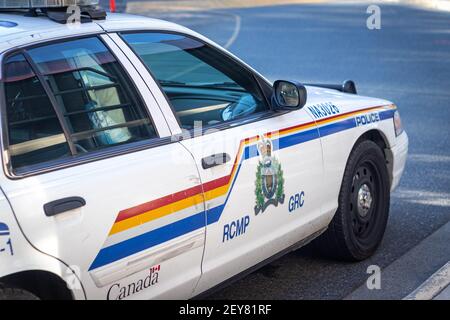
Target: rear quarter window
34	132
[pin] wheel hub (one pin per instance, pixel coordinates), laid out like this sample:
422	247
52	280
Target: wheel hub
364	200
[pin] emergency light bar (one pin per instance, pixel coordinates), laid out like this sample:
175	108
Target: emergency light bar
32	4
56	9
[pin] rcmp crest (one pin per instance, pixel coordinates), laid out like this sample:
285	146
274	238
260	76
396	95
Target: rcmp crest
269	178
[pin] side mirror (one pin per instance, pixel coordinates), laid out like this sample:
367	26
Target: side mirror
288	95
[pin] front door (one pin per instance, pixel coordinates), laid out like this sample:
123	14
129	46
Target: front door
95	180
261	171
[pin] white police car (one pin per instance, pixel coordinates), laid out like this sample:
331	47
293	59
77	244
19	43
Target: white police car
141	160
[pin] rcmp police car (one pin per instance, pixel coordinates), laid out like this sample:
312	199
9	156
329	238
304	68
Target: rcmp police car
141	160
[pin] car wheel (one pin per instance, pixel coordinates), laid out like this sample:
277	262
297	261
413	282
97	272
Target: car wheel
358	226
7	293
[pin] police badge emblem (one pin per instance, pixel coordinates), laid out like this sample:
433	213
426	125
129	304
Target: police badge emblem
269	178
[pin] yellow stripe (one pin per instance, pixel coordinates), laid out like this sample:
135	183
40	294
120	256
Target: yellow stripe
220	191
156	213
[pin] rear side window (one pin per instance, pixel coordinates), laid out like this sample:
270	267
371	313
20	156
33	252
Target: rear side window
34	132
89	92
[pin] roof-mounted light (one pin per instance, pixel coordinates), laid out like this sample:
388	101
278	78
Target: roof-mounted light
31	4
56	10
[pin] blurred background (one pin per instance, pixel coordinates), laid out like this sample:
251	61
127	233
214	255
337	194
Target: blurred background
404	56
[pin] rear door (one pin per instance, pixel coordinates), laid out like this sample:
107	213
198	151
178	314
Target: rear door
94	178
261	170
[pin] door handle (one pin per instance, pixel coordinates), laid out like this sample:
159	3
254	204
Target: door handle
215	160
62	205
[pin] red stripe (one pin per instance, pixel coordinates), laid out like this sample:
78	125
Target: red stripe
155	204
290	128
208	186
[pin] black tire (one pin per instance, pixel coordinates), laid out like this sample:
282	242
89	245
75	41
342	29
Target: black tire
358	226
7	293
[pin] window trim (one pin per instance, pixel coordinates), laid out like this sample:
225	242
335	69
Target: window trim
75	159
220	126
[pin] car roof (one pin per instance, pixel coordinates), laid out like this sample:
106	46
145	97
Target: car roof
17	30
32	30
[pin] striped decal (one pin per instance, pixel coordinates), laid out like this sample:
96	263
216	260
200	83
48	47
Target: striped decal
4	230
155	209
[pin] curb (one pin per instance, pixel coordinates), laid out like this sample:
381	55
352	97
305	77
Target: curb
405	274
433	286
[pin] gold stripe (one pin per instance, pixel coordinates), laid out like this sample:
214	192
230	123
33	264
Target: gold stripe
156	213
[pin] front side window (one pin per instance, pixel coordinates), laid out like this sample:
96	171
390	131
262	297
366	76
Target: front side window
201	83
91	93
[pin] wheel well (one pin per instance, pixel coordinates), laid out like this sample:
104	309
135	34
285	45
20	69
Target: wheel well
375	136
43	284
378	137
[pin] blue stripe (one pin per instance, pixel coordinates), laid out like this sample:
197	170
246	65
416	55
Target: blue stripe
215	213
154	237
387	114
3	227
4	233
337	127
298	138
250	152
232	184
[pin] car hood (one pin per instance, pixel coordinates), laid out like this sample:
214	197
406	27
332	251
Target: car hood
345	101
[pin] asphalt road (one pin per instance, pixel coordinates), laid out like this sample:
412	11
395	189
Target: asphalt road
407	61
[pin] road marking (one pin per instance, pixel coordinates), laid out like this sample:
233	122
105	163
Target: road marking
237	30
432	286
230	41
